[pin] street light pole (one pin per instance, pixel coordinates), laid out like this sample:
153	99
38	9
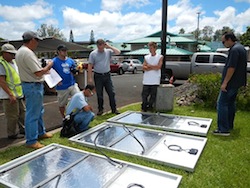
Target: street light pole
163	39
198	25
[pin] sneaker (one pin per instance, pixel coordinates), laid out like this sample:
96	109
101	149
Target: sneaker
220	133
46	135
16	136
100	112
37	145
115	112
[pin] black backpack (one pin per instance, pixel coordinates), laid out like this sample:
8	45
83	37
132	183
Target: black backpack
69	127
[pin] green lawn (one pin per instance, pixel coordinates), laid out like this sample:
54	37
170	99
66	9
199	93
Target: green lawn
225	161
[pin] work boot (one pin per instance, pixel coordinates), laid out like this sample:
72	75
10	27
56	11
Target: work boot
37	145
100	112
115	112
46	135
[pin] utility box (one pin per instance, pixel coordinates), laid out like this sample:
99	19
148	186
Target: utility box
165	98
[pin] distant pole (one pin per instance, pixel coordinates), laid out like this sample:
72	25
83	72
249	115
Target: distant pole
198	25
163	39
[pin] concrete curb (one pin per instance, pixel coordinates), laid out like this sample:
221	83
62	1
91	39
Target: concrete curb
59	129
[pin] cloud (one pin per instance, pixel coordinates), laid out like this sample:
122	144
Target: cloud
23	18
114	26
118	26
184	15
28	12
119	21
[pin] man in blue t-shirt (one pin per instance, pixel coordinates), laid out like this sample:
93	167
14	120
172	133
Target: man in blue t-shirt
67	87
81	109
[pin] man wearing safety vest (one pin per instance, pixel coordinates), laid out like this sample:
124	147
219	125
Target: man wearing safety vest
11	93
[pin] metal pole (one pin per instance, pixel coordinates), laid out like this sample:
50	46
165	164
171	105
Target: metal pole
163	39
198	25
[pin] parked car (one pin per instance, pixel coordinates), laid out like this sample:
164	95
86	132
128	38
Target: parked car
117	67
201	62
134	65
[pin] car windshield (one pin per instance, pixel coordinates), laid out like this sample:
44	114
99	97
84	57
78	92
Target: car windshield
125	61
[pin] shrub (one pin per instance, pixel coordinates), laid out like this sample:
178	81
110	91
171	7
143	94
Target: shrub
208	90
243	97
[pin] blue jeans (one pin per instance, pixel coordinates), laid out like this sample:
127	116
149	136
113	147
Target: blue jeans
83	119
226	109
34	125
104	81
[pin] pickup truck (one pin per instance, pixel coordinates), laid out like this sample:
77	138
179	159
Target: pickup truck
201	62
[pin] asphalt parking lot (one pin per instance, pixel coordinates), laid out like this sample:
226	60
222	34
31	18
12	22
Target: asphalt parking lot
128	90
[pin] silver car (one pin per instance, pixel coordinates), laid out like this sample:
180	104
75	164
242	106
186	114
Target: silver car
134	65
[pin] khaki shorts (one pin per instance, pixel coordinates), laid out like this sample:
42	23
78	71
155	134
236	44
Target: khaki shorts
63	95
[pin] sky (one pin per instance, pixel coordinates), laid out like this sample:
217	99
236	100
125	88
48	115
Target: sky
119	20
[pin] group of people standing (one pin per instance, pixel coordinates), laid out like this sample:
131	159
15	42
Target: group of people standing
23	79
22	88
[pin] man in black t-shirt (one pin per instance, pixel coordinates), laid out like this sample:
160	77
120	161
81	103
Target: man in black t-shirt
233	77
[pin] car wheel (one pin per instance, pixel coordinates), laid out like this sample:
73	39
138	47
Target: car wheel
135	71
120	71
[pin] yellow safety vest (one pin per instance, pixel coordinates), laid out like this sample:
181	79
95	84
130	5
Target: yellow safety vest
12	79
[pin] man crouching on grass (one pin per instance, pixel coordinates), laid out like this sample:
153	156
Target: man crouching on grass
83	112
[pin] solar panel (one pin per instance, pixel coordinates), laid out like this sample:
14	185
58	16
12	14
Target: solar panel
57	166
173	149
180	124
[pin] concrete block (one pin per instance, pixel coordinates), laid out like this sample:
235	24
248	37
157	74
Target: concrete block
165	98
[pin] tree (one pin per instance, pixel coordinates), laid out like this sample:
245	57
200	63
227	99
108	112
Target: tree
219	32
92	37
71	36
182	31
245	38
207	32
196	33
50	31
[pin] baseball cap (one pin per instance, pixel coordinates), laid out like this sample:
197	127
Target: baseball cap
28	35
8	48
62	47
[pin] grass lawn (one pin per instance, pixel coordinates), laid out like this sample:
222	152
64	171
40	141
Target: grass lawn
224	163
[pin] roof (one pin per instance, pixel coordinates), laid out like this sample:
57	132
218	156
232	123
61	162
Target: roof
49	45
214	45
158	34
116	45
176	39
169	51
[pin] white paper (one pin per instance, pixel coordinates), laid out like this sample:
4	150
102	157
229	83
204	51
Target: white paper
53	78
